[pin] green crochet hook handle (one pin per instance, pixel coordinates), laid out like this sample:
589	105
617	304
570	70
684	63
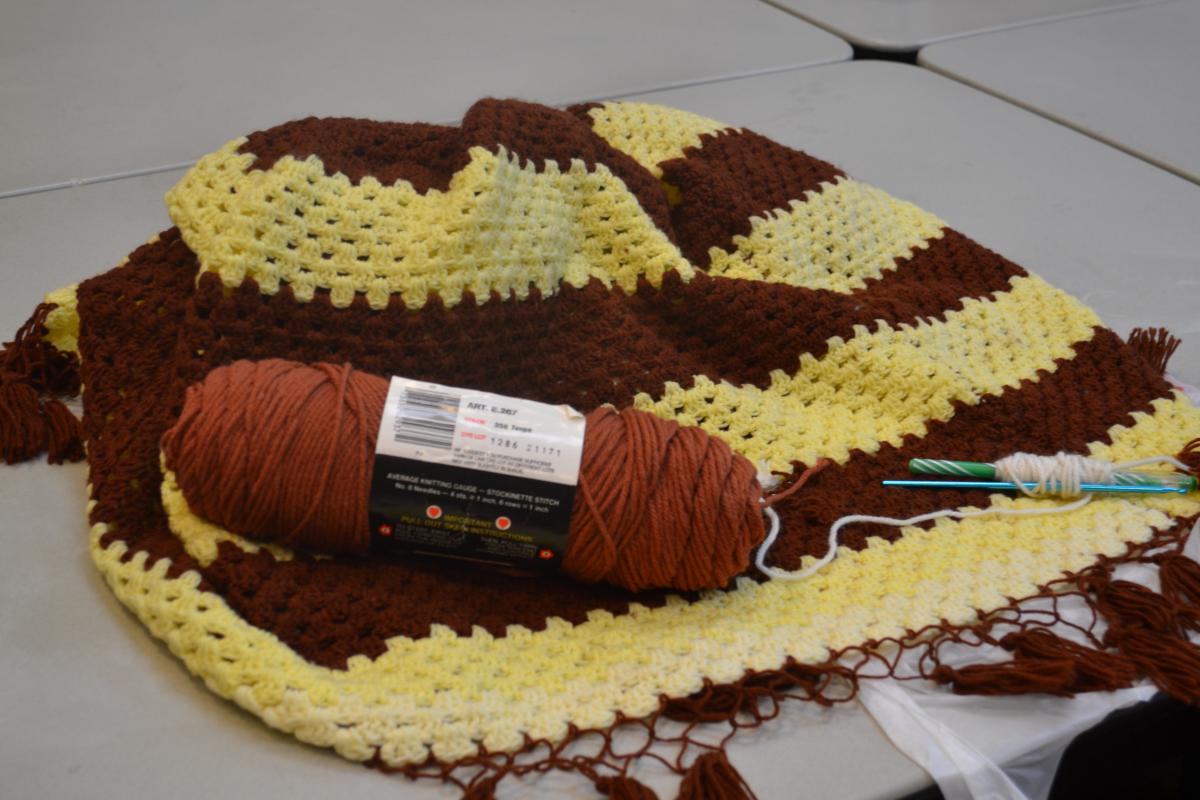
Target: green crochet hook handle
976	469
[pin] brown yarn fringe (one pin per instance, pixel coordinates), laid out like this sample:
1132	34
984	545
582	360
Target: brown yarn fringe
1156	345
483	790
32	374
1043	662
621	787
748	703
1190	455
1145	636
712	777
1180	577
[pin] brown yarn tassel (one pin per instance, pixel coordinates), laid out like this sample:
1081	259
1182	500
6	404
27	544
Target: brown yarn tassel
622	787
1190	455
64	432
1043	662
1095	670
29	368
1180	577
30	359
22	426
1156	345
1172	663
712	777
482	790
1019	676
1129	606
1149	629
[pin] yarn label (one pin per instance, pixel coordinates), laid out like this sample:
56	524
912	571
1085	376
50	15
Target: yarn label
474	475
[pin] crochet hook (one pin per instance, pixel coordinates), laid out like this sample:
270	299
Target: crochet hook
976	469
1031	485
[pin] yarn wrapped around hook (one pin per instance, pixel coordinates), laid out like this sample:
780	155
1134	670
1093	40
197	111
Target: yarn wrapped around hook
1061	474
281	451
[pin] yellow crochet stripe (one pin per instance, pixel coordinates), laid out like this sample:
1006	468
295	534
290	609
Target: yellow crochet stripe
1154	434
62	324
881	385
834	238
446	694
201	538
837	238
502	226
651	134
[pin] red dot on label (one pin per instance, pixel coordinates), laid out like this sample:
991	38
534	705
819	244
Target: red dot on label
385	530
545	555
503	523
433	512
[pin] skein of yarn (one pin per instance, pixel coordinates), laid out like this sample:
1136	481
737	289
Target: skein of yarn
282	451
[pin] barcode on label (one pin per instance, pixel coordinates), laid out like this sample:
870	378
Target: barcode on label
426	418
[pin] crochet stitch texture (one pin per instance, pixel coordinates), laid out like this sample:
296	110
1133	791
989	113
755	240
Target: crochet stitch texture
610	253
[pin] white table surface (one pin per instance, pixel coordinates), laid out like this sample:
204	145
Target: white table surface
906	25
1130	78
108	87
93	706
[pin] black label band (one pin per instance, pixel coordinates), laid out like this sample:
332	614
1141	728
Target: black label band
434	509
473	475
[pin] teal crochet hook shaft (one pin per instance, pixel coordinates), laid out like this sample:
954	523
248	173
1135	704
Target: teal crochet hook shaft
1030	485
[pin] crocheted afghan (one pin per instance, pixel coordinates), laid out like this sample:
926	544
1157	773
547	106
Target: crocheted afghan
636	255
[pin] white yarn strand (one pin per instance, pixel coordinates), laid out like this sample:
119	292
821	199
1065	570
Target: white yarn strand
1142	462
1061	474
800	574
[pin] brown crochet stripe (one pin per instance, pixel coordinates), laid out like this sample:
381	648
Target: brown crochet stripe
331	611
743	330
730	178
428	156
129	318
1101	386
720	328
580	111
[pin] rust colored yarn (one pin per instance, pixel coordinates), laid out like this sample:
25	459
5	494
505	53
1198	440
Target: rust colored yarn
283	452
